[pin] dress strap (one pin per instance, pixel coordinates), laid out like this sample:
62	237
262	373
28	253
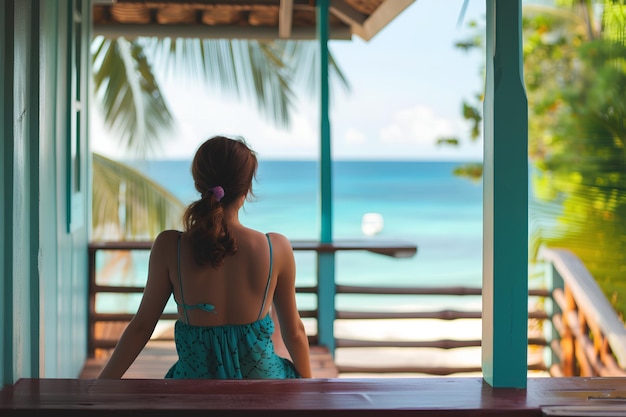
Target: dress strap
269	277
180	281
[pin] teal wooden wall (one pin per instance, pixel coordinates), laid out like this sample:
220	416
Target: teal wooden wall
20	185
5	158
44	172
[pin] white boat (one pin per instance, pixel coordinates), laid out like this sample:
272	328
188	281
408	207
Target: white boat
372	224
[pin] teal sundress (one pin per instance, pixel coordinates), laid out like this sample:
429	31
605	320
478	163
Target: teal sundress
228	351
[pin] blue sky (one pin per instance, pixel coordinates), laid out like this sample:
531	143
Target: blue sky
407	88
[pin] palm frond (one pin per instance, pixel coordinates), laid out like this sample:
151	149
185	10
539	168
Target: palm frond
243	69
129	94
264	72
270	79
304	55
461	17
127	205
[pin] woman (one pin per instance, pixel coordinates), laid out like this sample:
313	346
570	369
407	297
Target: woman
224	278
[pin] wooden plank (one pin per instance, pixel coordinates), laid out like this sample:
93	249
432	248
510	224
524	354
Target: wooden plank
440	344
358	289
285	18
380	315
404	369
362	397
384	14
322	363
585	410
395	248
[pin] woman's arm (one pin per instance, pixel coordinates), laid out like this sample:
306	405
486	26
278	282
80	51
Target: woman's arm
291	326
157	292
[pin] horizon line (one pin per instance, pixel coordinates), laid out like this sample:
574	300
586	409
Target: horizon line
303	159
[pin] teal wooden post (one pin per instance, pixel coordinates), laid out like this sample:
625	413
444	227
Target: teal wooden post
6	145
505	200
325	261
33	80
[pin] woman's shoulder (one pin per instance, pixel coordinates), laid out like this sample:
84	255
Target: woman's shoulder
166	238
279	241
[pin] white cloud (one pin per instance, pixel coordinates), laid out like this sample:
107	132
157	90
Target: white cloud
101	141
417	126
412	134
300	140
354	136
186	140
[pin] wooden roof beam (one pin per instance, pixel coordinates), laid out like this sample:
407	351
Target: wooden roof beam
285	19
210	32
367	27
346	14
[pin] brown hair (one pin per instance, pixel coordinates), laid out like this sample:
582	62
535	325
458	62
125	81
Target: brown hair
230	164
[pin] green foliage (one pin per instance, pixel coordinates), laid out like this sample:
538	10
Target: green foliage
473	114
470	110
575	81
614	20
448	141
472	171
575	77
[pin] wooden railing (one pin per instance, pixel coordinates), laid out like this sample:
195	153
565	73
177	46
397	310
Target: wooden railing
439	315
589	339
105	328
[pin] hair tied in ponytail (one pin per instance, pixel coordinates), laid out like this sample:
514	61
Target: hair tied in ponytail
218	192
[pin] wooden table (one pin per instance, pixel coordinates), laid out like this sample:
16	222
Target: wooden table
313	397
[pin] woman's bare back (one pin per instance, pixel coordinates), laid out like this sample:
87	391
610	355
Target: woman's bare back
237	289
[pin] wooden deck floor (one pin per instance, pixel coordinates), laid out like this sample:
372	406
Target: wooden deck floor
158	356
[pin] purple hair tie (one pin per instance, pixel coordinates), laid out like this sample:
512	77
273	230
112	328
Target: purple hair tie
218	192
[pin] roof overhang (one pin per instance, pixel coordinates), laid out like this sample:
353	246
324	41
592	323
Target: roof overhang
241	19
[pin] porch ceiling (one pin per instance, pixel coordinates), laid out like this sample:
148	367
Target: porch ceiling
253	19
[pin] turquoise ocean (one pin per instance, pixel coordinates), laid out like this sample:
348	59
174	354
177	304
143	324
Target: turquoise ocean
422	203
